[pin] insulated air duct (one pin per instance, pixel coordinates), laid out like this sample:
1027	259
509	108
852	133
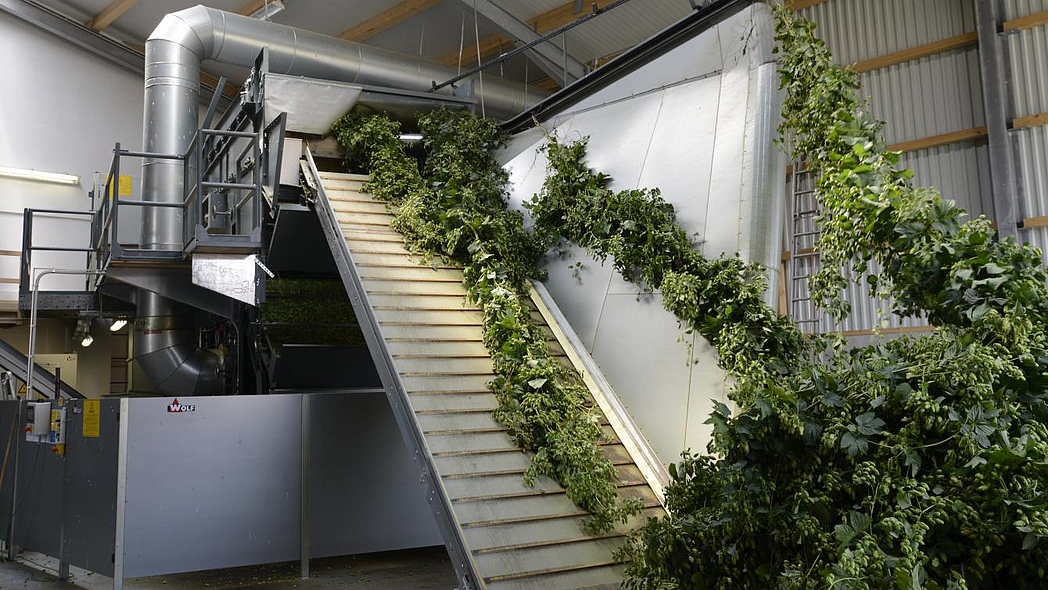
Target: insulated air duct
174	52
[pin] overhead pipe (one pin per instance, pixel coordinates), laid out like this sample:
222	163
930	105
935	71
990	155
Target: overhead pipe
174	52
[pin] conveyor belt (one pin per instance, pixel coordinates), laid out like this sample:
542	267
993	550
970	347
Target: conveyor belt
427	344
43	380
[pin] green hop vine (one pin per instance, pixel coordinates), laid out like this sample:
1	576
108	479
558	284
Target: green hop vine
913	464
455	208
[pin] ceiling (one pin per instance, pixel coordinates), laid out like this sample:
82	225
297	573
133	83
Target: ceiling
434	29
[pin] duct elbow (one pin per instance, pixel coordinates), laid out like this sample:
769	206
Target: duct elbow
166	348
192	28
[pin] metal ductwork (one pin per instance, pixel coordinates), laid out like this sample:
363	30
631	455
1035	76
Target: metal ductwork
174	52
168	350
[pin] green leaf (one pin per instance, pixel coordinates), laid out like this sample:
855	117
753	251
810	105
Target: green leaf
854	444
869	424
537	383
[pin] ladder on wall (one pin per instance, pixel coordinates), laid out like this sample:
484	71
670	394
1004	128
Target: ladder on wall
804	259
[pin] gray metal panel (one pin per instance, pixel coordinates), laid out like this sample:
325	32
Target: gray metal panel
364	491
38	513
90	487
214	487
857	30
10	424
1028	51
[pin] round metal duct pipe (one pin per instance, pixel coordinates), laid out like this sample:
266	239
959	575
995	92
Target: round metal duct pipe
174	52
167	349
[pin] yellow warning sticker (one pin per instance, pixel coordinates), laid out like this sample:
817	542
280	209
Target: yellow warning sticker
122	186
92	417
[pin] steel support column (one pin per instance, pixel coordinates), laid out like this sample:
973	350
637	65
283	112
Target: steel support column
993	67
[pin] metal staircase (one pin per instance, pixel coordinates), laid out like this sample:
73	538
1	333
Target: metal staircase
428	347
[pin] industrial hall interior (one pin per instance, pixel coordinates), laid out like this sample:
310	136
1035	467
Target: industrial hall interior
524	294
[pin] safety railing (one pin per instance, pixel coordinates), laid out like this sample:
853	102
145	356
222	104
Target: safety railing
105	230
223	187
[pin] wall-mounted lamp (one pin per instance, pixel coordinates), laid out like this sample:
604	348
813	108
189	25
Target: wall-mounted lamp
83	332
39	176
269	8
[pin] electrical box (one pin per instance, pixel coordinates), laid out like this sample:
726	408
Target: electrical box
56	436
38	422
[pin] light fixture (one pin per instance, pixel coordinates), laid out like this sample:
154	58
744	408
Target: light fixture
39	175
117	324
83	332
269	8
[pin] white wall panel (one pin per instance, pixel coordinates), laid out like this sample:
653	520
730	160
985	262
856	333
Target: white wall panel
698	123
61	110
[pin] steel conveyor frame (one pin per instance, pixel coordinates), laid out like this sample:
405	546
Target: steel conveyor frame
461	558
43	381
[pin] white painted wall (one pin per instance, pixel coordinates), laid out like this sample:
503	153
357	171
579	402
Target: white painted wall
61	110
698	123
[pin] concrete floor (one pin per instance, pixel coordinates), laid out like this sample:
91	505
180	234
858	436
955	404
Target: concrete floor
422	569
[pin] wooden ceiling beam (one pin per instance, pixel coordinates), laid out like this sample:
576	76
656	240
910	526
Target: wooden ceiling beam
802	4
110	13
251	7
386	19
488	45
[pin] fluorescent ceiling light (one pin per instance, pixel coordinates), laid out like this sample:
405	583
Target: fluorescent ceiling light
269	8
117	324
39	175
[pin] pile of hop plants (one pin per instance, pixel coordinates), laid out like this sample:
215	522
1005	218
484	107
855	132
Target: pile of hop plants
454	207
917	463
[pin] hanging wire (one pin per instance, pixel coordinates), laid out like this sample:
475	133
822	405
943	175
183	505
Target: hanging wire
526	82
564	47
480	75
462	42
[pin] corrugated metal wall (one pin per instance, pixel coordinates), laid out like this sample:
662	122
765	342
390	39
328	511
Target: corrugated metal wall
932	96
1028	52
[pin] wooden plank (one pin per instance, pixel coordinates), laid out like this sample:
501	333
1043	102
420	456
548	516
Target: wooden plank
251	7
802	4
889	331
8	281
110	13
1041	221
1031	121
386	19
939	140
1027	22
10	253
600	61
488	46
562	15
547	84
933	48
948	44
230	90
